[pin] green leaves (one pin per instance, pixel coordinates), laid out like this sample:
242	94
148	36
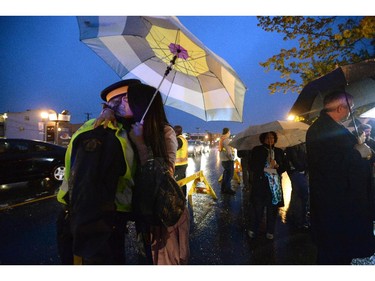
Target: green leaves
321	45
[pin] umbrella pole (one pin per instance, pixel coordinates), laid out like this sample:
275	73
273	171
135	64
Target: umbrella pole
352	116
169	68
270	153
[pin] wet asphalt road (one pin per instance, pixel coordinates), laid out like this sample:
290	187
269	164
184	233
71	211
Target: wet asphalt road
218	229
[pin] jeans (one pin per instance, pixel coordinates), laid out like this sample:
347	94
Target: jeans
227	175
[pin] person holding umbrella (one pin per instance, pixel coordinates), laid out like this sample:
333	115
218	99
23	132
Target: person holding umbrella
267	163
340	186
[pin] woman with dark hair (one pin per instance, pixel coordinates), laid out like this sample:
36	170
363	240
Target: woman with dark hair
168	245
267	163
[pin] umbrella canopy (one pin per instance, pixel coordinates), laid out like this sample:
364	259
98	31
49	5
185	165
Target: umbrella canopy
289	133
162	53
357	79
368	114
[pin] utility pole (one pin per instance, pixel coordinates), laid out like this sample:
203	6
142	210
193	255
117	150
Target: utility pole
87	116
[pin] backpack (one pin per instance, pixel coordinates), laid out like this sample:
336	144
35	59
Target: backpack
157	198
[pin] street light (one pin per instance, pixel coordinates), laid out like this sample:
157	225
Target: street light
44	115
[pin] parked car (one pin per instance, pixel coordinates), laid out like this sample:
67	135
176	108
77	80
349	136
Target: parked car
26	160
194	148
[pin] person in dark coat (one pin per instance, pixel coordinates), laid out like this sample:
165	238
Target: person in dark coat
297	171
267	163
95	195
339	177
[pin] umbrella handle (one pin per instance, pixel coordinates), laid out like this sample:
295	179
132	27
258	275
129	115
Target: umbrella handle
271	158
169	68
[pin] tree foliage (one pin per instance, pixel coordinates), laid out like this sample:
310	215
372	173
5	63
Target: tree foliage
322	44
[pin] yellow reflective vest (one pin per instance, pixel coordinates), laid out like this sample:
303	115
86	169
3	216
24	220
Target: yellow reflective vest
126	182
182	153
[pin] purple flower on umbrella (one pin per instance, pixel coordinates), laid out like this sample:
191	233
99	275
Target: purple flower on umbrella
178	51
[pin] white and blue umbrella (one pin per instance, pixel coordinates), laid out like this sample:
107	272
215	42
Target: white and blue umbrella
162	53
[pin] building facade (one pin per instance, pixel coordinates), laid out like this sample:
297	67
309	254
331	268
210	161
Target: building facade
40	124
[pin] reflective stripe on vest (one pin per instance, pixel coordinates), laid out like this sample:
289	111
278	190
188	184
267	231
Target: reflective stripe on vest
182	153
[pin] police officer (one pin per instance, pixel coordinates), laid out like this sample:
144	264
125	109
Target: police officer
181	156
97	189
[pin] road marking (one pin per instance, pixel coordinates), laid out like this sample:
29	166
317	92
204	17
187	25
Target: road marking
26	202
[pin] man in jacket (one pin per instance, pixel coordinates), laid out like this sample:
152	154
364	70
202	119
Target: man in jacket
341	219
97	189
227	161
298	174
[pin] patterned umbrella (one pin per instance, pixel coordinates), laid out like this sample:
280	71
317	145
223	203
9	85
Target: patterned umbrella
161	52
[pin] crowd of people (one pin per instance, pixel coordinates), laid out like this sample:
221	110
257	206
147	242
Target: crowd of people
332	178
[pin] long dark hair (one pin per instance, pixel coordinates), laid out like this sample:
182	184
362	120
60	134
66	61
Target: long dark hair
139	97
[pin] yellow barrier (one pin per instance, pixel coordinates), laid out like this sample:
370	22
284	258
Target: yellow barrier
77	260
197	186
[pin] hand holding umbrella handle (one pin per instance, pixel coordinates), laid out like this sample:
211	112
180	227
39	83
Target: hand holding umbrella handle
271	154
136	135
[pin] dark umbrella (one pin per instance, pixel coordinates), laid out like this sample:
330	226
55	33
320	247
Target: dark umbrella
358	79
